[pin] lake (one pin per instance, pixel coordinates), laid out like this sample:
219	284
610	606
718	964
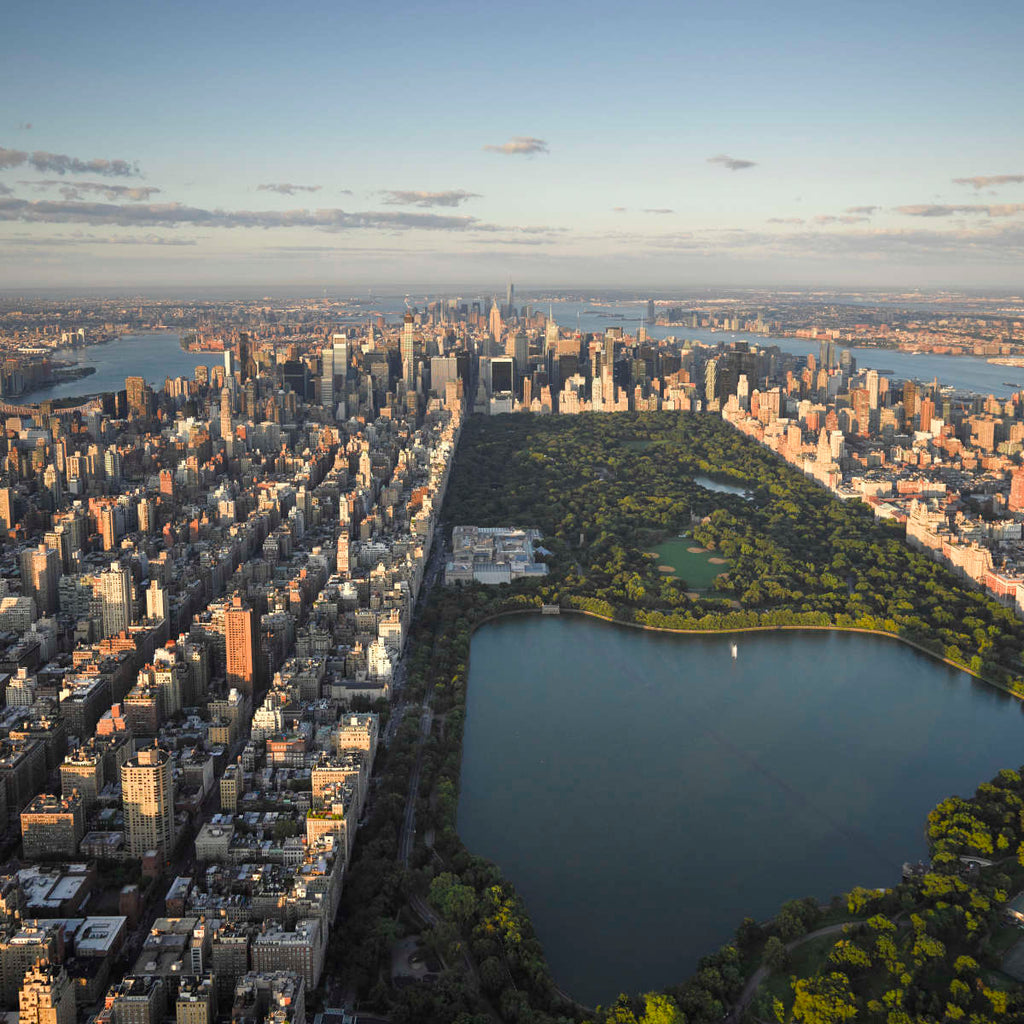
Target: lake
645	792
155	355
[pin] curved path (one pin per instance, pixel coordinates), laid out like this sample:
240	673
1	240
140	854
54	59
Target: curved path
751	987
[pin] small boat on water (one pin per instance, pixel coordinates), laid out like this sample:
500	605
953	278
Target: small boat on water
734	650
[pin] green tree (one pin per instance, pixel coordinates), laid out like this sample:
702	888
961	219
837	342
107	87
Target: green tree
457	902
824	1000
775	956
661	1009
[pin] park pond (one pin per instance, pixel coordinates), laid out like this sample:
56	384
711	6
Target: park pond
710	484
645	792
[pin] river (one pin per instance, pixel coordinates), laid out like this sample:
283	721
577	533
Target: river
154	355
644	792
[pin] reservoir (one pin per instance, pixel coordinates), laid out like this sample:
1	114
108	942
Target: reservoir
644	792
155	355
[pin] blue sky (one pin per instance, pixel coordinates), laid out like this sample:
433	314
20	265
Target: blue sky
676	144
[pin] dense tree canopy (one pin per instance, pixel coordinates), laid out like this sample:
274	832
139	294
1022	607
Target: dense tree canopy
603	489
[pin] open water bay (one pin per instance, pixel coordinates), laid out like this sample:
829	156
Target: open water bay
644	792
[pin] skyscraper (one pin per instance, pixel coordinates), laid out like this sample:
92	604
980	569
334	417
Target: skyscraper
518	347
550	335
495	324
40	573
147	796
6	507
226	428
327	378
140	396
407	349
241	646
873	389
115	592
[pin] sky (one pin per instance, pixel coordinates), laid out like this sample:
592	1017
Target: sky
465	144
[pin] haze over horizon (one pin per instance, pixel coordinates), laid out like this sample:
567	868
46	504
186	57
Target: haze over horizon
669	146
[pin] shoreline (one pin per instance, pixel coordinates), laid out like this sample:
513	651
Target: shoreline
757	629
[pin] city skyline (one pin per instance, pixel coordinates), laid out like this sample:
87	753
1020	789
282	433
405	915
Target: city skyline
566	145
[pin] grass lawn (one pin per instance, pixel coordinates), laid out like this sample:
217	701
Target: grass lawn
804	961
692	567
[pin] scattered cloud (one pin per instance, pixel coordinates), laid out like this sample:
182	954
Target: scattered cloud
59	163
286	189
846	218
520	145
173	214
731	162
82	239
401	197
989	180
1002	245
865	211
513	241
785	220
950	210
659	209
78	189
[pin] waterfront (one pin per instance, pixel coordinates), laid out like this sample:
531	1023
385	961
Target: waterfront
965	373
645	792
154	355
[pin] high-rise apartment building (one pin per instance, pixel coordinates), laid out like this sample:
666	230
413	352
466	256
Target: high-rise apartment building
47	996
147	796
1016	502
227	431
241	646
156	601
140	396
40	574
52	826
82	772
7	516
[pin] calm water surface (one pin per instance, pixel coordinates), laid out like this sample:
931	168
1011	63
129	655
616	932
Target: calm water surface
710	484
645	792
154	355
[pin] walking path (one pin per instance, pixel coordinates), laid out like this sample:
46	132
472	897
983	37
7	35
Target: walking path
750	989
